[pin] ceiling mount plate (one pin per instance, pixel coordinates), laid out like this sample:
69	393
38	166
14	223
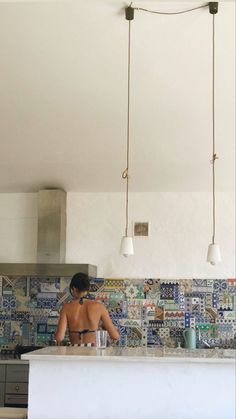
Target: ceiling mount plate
213	7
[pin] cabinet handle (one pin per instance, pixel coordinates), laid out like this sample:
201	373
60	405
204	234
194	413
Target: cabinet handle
17	388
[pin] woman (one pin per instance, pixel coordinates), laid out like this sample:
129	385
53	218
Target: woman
82	316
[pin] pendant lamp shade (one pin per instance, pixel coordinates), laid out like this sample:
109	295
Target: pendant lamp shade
126	246
213	254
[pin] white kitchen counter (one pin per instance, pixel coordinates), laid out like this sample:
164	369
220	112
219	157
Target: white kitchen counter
73	353
131	383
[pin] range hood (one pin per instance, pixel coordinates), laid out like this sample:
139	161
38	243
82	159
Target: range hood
47	269
51	241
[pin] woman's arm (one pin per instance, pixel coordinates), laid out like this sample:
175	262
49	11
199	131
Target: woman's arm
108	325
62	325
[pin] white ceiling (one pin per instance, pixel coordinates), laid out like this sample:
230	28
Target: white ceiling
63	96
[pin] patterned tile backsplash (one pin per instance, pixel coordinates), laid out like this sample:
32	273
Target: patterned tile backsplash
146	312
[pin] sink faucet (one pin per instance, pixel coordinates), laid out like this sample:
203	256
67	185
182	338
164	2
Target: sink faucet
202	341
206	343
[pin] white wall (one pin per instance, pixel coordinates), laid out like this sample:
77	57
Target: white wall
180	231
18	227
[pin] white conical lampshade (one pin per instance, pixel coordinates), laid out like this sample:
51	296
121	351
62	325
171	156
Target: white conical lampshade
126	246
213	254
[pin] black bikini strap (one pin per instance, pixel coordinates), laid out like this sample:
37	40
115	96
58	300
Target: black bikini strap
82	332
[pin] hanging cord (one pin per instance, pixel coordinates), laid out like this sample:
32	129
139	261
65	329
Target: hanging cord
125	174
171	13
214	155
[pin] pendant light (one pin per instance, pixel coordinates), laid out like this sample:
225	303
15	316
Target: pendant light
127	248
213	254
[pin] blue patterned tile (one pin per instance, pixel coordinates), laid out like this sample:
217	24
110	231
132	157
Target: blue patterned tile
220	285
203	303
9	302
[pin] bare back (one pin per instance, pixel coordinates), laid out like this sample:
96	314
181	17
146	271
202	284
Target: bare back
83	320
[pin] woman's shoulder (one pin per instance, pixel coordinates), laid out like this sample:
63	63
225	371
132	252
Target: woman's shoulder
94	303
88	301
69	304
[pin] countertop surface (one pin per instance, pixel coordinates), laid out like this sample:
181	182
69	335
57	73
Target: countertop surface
7	360
162	355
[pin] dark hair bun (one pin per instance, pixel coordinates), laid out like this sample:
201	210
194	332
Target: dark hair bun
80	281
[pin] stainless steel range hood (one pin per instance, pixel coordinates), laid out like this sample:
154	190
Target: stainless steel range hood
51	242
47	269
51	245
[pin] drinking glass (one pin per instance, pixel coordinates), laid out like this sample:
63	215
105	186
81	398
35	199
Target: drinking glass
101	339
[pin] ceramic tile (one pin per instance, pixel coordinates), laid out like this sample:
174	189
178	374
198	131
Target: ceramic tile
146	312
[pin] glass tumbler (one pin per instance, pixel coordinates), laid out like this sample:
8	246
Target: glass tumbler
101	339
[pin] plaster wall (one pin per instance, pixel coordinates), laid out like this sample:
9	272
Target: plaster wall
180	231
18	227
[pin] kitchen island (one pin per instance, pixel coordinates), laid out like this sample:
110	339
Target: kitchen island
131	383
